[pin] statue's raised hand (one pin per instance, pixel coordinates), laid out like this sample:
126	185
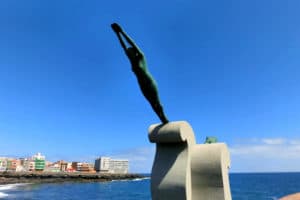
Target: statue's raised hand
116	27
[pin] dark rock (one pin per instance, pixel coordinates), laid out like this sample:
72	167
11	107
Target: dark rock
46	177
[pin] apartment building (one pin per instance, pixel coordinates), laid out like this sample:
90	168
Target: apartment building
3	164
29	164
13	164
39	160
108	165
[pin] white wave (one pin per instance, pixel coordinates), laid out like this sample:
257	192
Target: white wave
128	180
121	180
140	179
2	195
12	186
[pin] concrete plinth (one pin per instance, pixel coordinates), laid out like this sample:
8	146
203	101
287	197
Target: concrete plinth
183	170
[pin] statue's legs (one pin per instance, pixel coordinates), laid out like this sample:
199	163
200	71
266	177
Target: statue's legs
149	90
158	109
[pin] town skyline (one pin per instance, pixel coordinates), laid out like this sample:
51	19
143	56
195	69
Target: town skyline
39	163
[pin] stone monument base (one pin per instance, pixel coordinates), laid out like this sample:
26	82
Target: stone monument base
184	170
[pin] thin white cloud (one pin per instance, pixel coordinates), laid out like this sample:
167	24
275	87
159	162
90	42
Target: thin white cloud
274	141
266	154
277	147
294	142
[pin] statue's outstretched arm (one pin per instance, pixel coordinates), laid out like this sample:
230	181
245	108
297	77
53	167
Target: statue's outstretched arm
130	41
121	41
118	30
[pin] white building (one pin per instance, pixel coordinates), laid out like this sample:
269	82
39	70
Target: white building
54	167
106	164
38	156
20	168
3	164
102	164
29	164
118	166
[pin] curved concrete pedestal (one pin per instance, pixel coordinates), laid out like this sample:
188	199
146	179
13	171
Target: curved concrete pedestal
183	170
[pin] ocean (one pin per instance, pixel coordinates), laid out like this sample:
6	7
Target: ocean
252	186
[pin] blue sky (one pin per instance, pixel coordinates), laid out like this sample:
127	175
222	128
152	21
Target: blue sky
229	68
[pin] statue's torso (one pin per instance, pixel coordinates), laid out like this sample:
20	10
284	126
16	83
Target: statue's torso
146	81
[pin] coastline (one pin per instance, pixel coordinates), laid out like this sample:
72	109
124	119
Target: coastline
58	177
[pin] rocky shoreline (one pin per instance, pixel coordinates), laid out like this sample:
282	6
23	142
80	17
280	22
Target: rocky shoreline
45	177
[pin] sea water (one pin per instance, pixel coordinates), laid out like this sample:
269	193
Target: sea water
254	186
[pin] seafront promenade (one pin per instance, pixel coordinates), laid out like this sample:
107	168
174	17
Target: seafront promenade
51	177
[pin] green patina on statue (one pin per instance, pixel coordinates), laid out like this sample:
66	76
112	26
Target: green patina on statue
211	140
139	67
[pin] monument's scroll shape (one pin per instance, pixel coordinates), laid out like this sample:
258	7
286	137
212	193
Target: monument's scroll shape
184	170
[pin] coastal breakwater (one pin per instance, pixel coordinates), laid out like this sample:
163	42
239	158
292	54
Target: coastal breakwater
50	177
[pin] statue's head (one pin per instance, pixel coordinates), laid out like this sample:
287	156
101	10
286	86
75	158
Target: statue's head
132	53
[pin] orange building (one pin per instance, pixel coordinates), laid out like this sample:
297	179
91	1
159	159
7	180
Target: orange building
12	164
